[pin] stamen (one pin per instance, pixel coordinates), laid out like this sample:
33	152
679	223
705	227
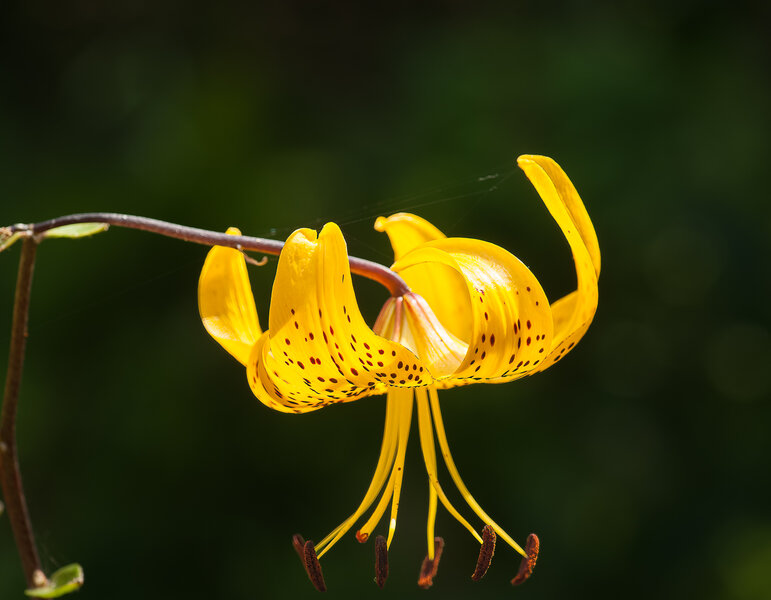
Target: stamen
442	437
385	460
431	520
405	419
429	567
307	554
299	546
362	535
381	561
485	553
527	564
403	398
429	458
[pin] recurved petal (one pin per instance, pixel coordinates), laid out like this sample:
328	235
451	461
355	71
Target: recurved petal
509	316
407	231
441	286
225	301
319	349
263	386
573	313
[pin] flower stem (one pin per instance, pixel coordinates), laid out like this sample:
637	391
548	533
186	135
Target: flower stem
365	268
32	234
10	475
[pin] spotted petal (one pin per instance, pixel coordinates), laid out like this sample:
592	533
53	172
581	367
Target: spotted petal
510	319
226	303
319	350
574	312
441	286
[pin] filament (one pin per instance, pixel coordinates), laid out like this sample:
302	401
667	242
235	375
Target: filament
442	437
429	458
384	462
402	399
405	419
431	520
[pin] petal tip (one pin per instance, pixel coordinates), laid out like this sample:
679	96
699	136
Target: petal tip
528	159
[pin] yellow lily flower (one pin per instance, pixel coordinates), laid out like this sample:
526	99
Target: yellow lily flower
474	313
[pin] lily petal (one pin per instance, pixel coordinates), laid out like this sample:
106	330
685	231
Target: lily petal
319	349
511	322
410	321
574	312
441	286
226	303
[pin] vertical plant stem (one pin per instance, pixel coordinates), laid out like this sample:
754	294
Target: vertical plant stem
10	476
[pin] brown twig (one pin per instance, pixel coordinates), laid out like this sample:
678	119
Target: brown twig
32	234
365	268
10	476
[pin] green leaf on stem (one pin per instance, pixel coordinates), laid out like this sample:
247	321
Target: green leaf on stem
66	580
7	239
78	230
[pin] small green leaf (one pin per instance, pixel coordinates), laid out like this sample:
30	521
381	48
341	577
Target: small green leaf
78	230
8	239
66	580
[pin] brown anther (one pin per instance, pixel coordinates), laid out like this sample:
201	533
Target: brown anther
528	562
429	567
299	546
485	553
381	561
361	537
307	553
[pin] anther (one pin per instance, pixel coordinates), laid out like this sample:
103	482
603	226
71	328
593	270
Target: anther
528	562
299	546
307	553
485	553
429	567
381	561
361	537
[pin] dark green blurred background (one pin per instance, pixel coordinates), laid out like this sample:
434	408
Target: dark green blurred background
642	460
